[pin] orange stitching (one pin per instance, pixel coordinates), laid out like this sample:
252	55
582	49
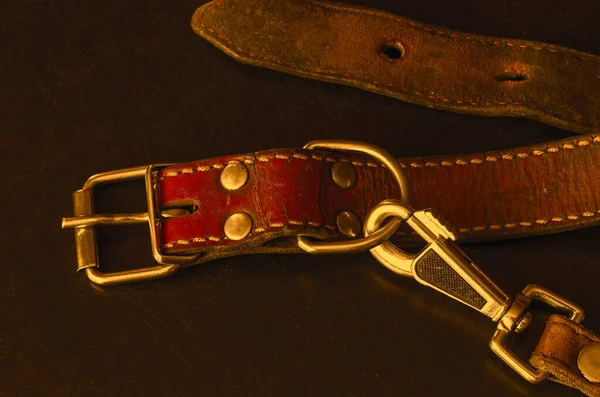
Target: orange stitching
206	168
375	82
459	35
481	228
341	74
278	225
443	163
554	219
504	156
400	233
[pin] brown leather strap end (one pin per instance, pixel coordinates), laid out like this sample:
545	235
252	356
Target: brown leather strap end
559	352
415	62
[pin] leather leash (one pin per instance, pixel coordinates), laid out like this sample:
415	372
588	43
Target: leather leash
288	200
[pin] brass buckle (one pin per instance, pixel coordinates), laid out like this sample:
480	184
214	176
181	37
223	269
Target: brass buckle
515	319
85	219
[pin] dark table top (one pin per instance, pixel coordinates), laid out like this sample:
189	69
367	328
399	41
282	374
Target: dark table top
90	86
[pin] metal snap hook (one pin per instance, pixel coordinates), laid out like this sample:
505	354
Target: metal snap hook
387	253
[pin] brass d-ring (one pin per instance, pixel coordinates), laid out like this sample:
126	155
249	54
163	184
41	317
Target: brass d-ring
382	234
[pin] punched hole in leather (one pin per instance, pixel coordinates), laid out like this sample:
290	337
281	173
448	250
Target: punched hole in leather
442	68
511	76
393	50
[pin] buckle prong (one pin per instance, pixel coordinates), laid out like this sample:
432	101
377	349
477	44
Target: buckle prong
101	219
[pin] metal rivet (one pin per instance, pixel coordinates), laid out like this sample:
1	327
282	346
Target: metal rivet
343	174
234	176
348	223
588	362
238	226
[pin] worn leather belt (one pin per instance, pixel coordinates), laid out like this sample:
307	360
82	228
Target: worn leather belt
261	202
412	61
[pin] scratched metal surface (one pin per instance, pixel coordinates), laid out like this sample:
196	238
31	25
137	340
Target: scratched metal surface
92	86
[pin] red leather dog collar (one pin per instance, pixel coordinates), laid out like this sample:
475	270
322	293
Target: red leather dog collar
270	201
532	190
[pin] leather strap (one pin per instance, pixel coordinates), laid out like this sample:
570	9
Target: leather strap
435	67
540	189
288	193
558	350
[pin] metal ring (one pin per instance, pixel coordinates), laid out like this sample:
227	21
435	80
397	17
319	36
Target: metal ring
376	238
351	246
387	253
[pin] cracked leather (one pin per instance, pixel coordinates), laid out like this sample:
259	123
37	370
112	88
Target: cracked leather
557	353
440	68
288	193
546	188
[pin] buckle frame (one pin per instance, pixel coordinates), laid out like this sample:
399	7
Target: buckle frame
516	319
84	219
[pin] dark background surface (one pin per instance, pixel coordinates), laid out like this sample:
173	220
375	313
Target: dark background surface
90	86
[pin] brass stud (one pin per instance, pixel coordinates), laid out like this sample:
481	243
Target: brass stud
238	226
348	223
343	174
234	176
588	362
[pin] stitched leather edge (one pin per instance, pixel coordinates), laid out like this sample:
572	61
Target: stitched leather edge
459	105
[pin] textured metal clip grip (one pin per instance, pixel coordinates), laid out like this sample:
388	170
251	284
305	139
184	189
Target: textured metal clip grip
444	267
440	265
